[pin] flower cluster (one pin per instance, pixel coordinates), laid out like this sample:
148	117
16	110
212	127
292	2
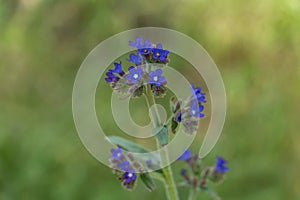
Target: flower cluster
151	53
189	111
146	71
196	176
121	166
113	75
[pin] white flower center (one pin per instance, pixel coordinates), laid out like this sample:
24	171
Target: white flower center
135	76
155	78
119	154
130	175
193	112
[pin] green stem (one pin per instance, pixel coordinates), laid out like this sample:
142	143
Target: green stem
170	185
191	194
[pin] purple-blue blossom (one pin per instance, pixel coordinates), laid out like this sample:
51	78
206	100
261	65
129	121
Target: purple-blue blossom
159	55
112	75
136	59
186	155
137	43
196	109
127	178
116	154
197	94
143	48
220	165
135	74
124	165
156	78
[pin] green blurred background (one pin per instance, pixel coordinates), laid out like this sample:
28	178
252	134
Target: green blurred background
255	44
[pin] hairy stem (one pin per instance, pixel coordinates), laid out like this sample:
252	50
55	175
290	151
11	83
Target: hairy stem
170	185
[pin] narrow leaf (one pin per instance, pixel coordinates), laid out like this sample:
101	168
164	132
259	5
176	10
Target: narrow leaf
148	181
127	145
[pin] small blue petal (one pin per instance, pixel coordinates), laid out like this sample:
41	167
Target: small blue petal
220	165
116	153
137	43
159	54
185	156
196	109
135	74
196	93
136	59
178	117
156	78
130	68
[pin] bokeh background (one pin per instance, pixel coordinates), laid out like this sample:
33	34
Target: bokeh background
255	44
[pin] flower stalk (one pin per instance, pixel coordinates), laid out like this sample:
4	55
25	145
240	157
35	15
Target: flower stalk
170	185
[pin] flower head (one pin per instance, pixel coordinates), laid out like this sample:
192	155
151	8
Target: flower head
136	59
118	68
112	75
116	154
160	55
143	49
137	43
196	109
156	78
135	74
124	165
196	93
128	177
220	165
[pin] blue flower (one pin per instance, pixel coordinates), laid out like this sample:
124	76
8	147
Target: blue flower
220	165
159	55
138	43
128	178
185	156
143	49
156	78
196	109
178	117
124	165
116	154
136	59
196	93
146	48
118	68
135	74
111	74
110	77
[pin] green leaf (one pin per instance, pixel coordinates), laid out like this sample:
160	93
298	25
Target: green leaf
161	133
127	145
148	181
158	175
